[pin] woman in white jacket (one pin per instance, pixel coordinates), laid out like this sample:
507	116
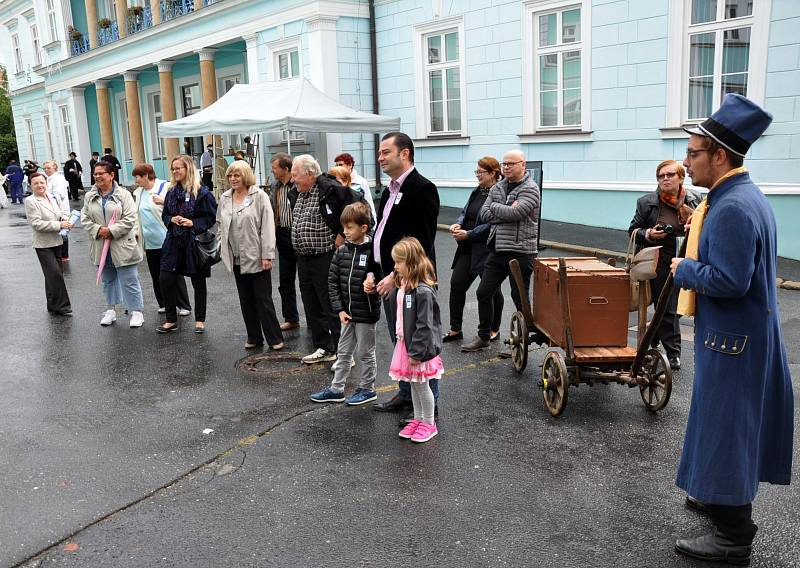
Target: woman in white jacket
47	218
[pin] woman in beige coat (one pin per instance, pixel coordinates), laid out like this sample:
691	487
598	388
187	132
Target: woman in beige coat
120	273
247	236
47	218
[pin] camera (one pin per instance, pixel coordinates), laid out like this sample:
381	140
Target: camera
668	229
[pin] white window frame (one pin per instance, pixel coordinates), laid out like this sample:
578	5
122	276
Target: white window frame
224	75
66	124
52	19
47	125
288	53
531	10
280	47
19	67
421	77
37	45
157	150
31	138
680	28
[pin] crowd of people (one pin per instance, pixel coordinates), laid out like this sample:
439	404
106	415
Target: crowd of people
355	261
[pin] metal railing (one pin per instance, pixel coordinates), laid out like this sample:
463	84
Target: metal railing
135	23
140	22
108	34
79	46
171	9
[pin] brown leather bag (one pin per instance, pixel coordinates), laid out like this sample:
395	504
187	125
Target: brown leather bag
641	268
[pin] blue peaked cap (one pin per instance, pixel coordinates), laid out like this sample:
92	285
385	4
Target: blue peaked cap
736	124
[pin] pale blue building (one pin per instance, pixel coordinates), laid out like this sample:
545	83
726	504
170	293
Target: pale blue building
598	90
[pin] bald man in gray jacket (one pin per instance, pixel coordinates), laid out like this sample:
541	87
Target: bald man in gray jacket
512	209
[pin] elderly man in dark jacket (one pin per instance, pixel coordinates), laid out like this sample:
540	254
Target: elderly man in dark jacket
659	220
741	420
512	209
316	233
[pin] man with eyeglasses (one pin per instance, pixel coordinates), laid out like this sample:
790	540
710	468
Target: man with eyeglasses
659	219
741	418
512	209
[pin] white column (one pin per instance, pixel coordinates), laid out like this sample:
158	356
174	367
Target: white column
252	58
80	128
324	64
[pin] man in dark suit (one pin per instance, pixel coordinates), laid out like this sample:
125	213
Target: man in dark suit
408	208
111	159
92	164
72	172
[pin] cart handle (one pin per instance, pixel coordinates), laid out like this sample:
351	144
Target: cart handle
598	300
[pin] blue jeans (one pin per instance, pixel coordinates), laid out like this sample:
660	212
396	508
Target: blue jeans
121	286
404	387
17	194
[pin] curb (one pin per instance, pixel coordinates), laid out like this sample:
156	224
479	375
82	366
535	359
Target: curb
598	252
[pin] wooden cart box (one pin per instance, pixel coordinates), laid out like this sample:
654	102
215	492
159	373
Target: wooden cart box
599	298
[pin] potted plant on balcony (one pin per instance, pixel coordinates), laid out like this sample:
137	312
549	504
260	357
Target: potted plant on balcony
74	35
104	23
135	11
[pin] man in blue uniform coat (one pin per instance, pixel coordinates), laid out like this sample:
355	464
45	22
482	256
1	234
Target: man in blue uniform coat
741	420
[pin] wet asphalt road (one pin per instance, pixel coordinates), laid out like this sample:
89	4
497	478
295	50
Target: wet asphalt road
101	433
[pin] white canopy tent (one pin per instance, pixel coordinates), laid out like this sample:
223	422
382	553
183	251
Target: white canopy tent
293	105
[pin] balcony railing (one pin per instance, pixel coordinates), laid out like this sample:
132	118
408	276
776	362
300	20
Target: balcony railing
140	22
171	9
135	23
108	34
79	46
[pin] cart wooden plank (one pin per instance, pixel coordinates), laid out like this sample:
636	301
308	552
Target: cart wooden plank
604	354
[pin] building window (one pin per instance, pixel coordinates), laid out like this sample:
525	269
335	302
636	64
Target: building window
37	45
287	64
558	67
442	75
66	124
52	20
31	140
556	91
192	103
156	142
713	47
17	53
440	81
231	140
717	27
48	136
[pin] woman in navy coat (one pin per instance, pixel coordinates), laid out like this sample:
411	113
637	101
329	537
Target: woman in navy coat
741	421
189	210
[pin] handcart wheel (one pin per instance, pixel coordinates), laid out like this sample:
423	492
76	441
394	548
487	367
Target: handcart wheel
555	383
658	373
518	341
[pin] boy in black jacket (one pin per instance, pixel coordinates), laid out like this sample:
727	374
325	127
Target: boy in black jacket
358	311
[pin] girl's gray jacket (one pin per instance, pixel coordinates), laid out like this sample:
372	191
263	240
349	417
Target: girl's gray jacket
514	229
422	323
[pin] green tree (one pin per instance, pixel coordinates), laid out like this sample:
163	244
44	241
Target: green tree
8	137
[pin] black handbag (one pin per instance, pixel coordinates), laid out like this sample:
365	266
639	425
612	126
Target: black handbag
207	249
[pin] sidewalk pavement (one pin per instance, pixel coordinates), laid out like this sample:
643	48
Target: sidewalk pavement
602	242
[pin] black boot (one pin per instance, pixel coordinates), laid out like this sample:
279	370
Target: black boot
394	404
715	547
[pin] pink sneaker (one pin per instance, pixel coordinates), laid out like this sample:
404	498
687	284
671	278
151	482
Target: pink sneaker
409	429
424	432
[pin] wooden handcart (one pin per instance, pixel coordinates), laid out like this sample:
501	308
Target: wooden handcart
582	305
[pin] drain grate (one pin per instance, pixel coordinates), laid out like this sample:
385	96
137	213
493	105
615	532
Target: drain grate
276	365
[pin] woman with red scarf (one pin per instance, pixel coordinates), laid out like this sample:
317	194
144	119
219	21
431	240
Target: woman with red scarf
659	219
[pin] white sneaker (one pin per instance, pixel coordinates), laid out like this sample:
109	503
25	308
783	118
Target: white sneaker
162	310
184	312
137	319
319	356
109	317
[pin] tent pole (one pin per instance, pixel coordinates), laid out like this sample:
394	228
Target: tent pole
289	142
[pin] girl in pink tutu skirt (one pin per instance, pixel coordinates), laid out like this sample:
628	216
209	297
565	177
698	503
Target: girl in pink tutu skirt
419	334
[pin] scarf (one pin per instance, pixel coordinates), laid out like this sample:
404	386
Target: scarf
687	299
674	201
